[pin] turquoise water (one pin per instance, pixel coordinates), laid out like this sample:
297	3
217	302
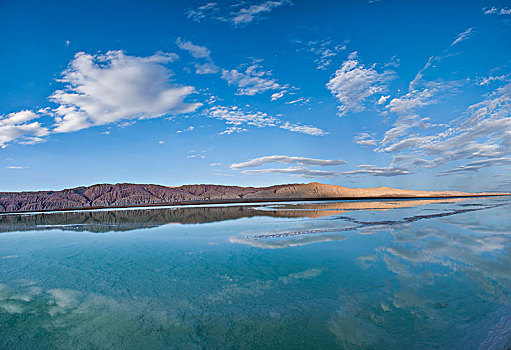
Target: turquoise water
313	275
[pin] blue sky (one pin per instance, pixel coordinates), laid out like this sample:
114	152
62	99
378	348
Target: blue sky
413	94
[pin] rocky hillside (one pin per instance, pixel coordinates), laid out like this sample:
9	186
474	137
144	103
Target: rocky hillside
121	195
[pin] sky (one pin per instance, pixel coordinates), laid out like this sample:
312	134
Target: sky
406	94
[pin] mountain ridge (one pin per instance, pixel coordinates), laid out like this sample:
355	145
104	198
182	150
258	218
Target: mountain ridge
129	195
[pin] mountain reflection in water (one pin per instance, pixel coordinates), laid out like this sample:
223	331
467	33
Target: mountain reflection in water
133	219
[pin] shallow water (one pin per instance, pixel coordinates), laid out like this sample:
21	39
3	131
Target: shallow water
416	274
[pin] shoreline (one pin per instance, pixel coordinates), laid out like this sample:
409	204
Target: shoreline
249	201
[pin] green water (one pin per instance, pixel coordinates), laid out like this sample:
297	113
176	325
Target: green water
322	275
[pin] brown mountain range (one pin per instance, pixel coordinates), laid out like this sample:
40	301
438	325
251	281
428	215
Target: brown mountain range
127	195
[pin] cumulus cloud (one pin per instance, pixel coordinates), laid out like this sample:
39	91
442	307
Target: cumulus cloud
106	88
463	36
202	53
22	128
254	80
287	160
236	118
353	84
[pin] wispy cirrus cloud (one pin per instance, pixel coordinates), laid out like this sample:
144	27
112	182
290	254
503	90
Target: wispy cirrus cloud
434	60
353	84
201	53
238	119
374	170
238	15
324	51
203	11
477	165
254	12
482	137
463	36
287	160
494	78
496	11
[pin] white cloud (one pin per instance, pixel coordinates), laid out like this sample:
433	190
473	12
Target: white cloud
233	129
202	156
411	101
202	12
383	99
406	107
287	160
482	136
236	118
202	53
491	79
463	36
248	14
303	171
22	127
496	11
253	81
278	95
353	84
304	129
194	50
373	170
325	51
370	170
14	167
295	171
301	101
190	128
477	165
240	14
365	139
107	88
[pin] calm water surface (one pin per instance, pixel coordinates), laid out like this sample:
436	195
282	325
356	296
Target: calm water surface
416	274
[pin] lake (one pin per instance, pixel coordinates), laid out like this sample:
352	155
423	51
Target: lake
387	274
